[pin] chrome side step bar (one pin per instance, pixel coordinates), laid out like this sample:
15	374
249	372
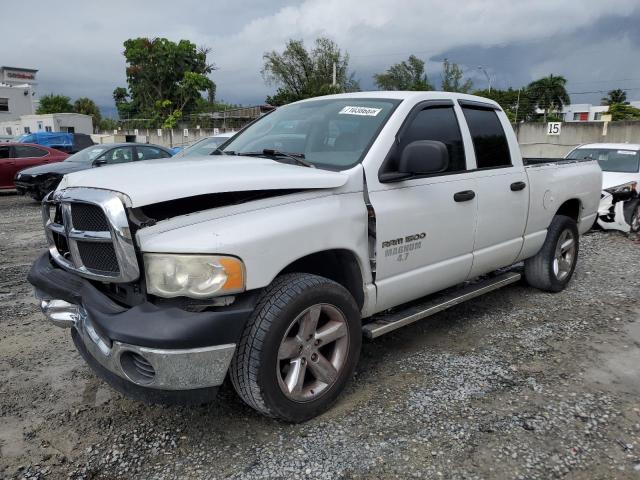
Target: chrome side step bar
387	322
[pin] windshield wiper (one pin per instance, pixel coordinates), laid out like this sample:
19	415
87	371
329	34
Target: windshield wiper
219	151
269	152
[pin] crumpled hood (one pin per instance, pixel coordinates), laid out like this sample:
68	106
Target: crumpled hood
613	179
155	181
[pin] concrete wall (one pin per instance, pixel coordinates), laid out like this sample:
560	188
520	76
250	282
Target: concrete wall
532	137
534	141
151	136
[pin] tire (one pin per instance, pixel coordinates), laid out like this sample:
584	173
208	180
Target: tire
552	267
279	345
634	224
38	197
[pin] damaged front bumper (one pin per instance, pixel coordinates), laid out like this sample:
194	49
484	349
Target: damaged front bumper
148	346
166	369
615	213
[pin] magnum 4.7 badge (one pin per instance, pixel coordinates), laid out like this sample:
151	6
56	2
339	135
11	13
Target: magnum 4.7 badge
403	246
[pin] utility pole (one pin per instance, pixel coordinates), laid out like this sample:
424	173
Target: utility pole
515	120
334	75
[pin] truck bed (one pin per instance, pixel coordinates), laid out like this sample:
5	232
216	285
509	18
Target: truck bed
533	161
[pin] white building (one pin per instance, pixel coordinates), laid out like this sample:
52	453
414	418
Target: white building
18	105
17	93
51	122
585	112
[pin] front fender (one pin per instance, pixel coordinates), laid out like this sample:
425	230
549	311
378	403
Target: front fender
269	239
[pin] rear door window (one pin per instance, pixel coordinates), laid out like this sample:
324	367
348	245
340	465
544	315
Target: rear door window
4	152
151	153
27	151
489	140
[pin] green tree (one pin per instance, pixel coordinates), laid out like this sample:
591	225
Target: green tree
622	111
86	106
549	93
511	101
54	104
406	75
108	124
452	78
158	70
299	73
615	96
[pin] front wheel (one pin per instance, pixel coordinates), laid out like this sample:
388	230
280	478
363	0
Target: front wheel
299	348
635	220
553	266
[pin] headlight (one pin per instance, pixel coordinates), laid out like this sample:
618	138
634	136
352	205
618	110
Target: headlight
195	276
628	187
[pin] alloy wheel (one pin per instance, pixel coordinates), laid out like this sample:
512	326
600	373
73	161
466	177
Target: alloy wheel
312	352
565	255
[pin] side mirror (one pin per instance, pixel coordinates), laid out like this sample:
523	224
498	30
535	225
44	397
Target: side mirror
99	162
424	157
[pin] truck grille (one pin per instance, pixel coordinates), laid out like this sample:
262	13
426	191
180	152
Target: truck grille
100	257
88	217
88	233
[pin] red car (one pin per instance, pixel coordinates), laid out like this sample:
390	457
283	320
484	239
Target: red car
18	156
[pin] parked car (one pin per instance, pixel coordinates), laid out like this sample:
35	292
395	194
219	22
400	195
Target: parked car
620	204
205	146
39	181
17	156
65	142
270	260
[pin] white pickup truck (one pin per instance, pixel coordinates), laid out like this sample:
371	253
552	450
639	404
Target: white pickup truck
321	222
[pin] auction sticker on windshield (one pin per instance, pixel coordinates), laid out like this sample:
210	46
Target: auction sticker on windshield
366	111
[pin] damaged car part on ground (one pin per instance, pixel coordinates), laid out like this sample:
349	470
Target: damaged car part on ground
619	202
293	280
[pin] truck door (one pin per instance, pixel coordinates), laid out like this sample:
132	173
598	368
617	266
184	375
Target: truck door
424	226
501	187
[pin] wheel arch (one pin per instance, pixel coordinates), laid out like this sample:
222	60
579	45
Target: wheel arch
340	265
571	208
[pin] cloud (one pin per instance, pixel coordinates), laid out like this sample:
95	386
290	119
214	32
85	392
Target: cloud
78	47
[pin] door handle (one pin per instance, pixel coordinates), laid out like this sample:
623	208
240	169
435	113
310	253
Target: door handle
464	196
515	186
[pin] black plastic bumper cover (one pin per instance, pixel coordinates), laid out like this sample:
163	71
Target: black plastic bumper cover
145	325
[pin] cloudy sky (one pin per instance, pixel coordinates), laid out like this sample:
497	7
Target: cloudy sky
77	45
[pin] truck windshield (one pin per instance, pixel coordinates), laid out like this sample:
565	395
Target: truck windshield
334	133
610	159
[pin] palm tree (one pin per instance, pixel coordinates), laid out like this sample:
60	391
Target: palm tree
549	93
615	96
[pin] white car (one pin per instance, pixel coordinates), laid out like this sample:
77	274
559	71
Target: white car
620	162
271	259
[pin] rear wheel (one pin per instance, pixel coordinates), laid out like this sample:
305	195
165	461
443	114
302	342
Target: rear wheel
553	266
299	349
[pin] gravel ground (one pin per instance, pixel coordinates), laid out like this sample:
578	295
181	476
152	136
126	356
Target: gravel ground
517	384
